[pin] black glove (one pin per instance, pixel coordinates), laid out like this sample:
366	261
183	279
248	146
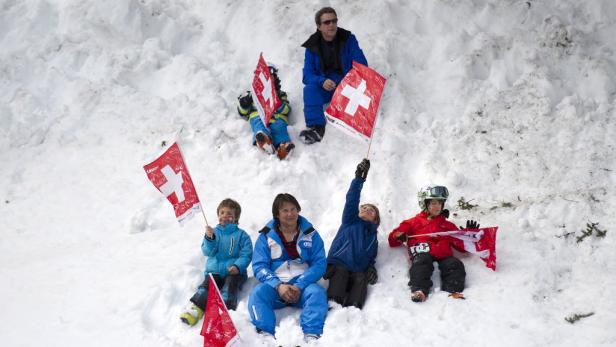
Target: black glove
362	169
245	100
470	224
371	275
329	272
402	237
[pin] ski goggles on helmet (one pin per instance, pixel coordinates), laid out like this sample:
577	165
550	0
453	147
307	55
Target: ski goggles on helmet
438	192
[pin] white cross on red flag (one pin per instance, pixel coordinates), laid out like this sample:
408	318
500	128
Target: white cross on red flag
264	92
218	329
170	176
356	100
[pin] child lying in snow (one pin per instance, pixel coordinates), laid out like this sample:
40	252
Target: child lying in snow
276	138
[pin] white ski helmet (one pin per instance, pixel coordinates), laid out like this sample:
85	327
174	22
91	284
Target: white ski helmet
431	192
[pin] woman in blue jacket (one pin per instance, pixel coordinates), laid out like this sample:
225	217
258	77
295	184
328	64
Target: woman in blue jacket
229	251
351	258
288	260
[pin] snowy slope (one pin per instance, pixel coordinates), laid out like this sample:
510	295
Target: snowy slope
510	104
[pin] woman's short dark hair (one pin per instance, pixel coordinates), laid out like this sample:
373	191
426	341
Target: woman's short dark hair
282	198
324	10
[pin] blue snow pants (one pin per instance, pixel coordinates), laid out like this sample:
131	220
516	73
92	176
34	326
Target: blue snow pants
277	130
264	300
315	97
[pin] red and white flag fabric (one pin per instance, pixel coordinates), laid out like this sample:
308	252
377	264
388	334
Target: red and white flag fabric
264	92
218	329
170	176
481	242
356	101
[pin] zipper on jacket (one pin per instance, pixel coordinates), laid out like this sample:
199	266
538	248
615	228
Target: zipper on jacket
231	246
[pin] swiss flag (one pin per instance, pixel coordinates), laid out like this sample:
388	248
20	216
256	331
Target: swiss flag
264	92
170	176
356	100
481	242
218	329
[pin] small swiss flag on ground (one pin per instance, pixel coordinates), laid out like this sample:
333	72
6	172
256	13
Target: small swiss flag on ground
218	329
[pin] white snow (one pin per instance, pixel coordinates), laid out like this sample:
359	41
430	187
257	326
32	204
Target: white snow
511	104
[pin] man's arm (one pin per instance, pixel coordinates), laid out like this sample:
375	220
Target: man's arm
311	72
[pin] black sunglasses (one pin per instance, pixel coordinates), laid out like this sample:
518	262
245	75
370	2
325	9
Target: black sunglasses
330	21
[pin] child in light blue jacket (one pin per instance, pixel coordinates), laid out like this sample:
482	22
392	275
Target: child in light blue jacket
229	251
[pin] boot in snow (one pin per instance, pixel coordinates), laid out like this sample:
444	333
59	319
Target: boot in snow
418	296
264	142
192	315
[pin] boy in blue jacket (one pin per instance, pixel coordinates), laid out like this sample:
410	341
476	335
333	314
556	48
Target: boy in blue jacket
229	251
351	258
329	56
288	260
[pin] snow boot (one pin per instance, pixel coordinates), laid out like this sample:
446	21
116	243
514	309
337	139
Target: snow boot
285	149
192	315
418	296
457	295
312	134
311	338
264	142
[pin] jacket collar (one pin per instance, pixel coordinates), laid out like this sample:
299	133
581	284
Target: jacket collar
227	228
342	35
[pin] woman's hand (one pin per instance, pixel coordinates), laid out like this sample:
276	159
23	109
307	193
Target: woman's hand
289	293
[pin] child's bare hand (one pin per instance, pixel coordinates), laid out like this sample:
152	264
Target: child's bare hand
209	231
233	270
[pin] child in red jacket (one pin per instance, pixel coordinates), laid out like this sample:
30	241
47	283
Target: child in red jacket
424	249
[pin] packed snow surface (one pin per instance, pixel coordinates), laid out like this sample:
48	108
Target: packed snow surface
510	104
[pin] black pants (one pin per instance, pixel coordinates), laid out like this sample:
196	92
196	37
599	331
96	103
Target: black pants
452	273
233	283
347	288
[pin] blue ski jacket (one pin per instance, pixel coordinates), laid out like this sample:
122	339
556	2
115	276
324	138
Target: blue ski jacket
313	71
355	245
230	246
272	265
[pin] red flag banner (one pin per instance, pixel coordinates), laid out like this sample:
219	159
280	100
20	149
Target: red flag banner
356	100
264	92
481	242
218	329
170	176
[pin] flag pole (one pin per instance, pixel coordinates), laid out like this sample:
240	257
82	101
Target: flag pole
369	144
371	134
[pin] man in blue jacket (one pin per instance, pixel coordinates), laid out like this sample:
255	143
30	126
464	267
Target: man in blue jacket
288	260
330	53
